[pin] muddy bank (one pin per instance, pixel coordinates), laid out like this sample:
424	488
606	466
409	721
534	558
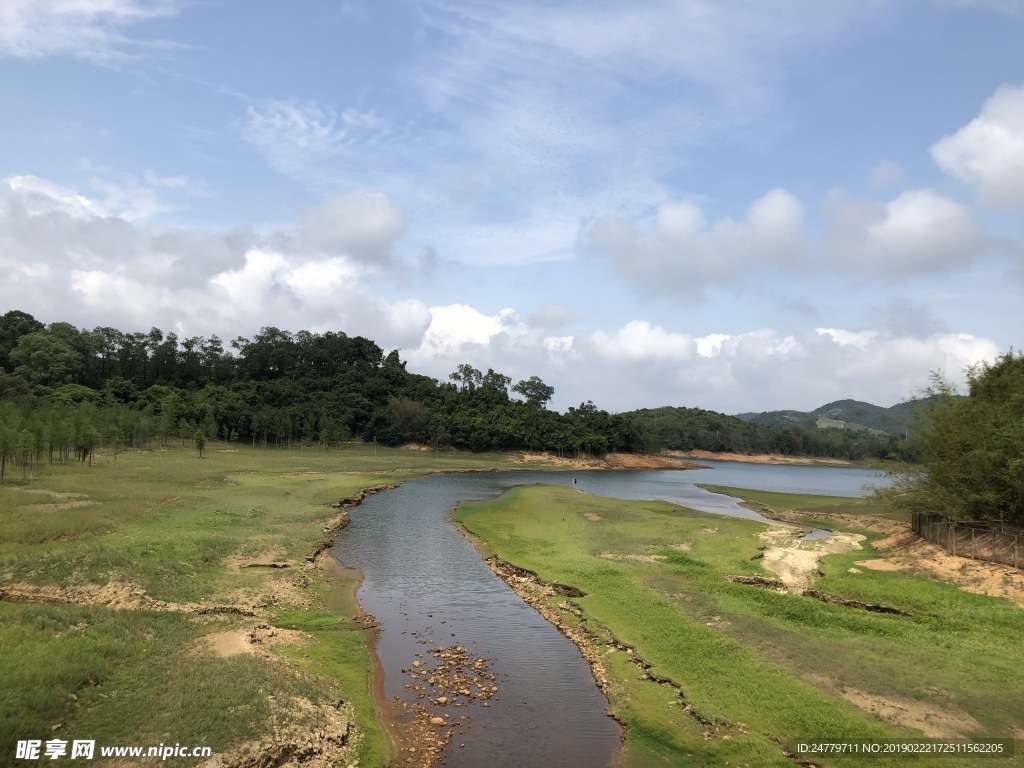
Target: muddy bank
759	458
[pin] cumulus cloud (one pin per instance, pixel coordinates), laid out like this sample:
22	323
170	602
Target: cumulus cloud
683	252
762	369
88	29
988	152
456	327
71	257
638	340
918	232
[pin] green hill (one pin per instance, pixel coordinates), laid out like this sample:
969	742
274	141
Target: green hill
846	415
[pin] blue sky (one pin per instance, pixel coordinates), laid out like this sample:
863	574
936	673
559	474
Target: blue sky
737	206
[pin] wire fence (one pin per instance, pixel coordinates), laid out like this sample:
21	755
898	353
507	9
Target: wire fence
980	541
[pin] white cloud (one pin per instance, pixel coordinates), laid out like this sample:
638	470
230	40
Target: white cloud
90	29
858	339
71	258
644	364
305	139
294	135
988	152
363	225
639	340
918	232
319	282
457	326
724	58
127	197
685	252
39	196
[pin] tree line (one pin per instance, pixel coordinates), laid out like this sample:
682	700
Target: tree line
64	391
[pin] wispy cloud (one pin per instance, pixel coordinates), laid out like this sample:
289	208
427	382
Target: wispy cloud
308	140
88	29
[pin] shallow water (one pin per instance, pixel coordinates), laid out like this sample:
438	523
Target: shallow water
423	580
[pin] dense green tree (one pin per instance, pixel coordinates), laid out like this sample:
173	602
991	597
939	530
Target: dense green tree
14	325
46	358
534	391
973	448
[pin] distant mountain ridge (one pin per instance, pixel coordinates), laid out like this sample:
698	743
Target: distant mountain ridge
851	415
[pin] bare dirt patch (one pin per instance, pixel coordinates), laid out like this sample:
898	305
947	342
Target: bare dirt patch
795	562
270	559
305	734
932	720
609	461
907	550
254	640
115	595
872	523
881	565
629	557
554	460
637	461
592	516
232	642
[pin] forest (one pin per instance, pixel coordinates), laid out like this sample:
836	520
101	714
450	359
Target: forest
64	391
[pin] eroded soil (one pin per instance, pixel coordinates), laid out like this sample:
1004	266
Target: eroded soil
794	561
906	550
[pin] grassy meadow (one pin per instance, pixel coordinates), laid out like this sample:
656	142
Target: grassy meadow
759	669
178	527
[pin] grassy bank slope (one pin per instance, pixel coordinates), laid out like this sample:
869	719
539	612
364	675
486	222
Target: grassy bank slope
125	588
756	669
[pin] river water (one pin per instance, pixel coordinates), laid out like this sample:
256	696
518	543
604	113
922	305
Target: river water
424	581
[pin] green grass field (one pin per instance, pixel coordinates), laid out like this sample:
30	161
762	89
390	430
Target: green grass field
170	523
765	668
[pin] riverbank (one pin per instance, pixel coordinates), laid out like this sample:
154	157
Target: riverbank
608	461
759	458
707	658
176	599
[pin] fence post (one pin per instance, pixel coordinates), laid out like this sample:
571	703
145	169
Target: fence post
974	549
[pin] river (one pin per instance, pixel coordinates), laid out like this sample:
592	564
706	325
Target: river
424	582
